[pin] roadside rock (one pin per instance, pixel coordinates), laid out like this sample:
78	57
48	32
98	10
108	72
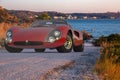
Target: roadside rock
86	35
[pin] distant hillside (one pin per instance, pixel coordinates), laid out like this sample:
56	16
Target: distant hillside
108	15
6	17
24	16
31	15
27	16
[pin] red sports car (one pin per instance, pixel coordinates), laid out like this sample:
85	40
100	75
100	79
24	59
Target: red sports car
42	34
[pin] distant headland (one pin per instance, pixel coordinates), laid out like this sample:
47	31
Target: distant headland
28	16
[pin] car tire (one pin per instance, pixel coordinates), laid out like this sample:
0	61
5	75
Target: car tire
67	47
12	50
39	50
79	48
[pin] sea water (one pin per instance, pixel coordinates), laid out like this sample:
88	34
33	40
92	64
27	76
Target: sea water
96	28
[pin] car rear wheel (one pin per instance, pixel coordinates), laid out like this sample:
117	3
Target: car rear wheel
39	50
12	50
67	47
79	48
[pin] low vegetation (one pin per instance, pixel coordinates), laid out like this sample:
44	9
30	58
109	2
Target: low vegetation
108	65
44	16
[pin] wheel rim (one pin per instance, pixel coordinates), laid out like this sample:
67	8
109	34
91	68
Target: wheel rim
68	43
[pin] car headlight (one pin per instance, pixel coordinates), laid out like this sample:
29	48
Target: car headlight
51	39
8	36
57	33
53	36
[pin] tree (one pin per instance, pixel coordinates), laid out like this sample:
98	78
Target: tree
44	16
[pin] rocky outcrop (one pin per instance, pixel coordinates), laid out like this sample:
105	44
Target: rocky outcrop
86	35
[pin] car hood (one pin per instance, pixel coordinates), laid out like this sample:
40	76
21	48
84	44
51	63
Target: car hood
32	34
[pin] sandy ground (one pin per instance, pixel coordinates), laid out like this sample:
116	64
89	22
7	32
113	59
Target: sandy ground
49	65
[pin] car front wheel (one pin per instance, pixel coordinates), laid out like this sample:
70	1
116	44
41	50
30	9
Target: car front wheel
12	50
67	47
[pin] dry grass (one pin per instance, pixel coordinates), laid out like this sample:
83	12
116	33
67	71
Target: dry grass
3	28
108	70
108	65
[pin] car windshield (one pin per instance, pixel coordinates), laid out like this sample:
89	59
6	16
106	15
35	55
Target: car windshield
47	23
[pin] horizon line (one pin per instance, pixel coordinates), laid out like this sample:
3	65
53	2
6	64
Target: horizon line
59	11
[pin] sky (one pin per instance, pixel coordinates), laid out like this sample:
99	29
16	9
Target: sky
66	6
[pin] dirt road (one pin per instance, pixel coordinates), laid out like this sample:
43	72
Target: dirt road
49	65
